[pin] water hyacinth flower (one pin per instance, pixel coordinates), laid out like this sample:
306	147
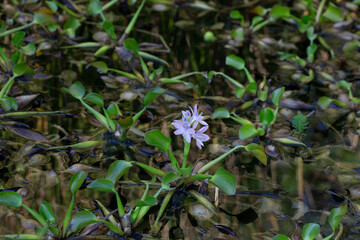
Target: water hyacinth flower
187	127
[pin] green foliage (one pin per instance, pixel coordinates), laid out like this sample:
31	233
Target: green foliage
300	124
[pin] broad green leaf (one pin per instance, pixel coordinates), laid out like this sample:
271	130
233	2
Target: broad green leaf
53	7
258	152
279	11
324	102
235	14
281	237
76	90
100	66
152	95
310	34
310	231
109	28
113	110
221	113
148	201
82	219
28	49
8	103
103	185
239	92
46	211
247	131
131	45
167	179
76	181
225	181
85	144
256	20
18	38
117	169
235	62
277	95
40	18
266	116
95	98
94	7
125	121
157	139
151	170
336	216
344	84
333	13
10	198
21	69
70	26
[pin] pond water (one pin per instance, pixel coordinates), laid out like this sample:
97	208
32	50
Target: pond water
298	172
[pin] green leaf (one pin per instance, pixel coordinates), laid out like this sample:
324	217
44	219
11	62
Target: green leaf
148	201
117	169
167	179
103	185
310	231
10	198
258	152
40	18
277	95
225	181
336	216
247	131
82	219
310	34
289	141
109	28
21	236
28	49
324	102
76	181
152	170
221	113
94	7
125	121
101	67
235	14
333	13
235	62
152	95
256	20
344	84
281	237
53	7
70	26
18	38
46	211
95	98
76	90
131	45
157	139
8	103
239	92
198	177
279	11
310	51
21	69
266	116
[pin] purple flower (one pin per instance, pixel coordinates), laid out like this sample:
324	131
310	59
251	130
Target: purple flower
196	117
184	128
200	137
